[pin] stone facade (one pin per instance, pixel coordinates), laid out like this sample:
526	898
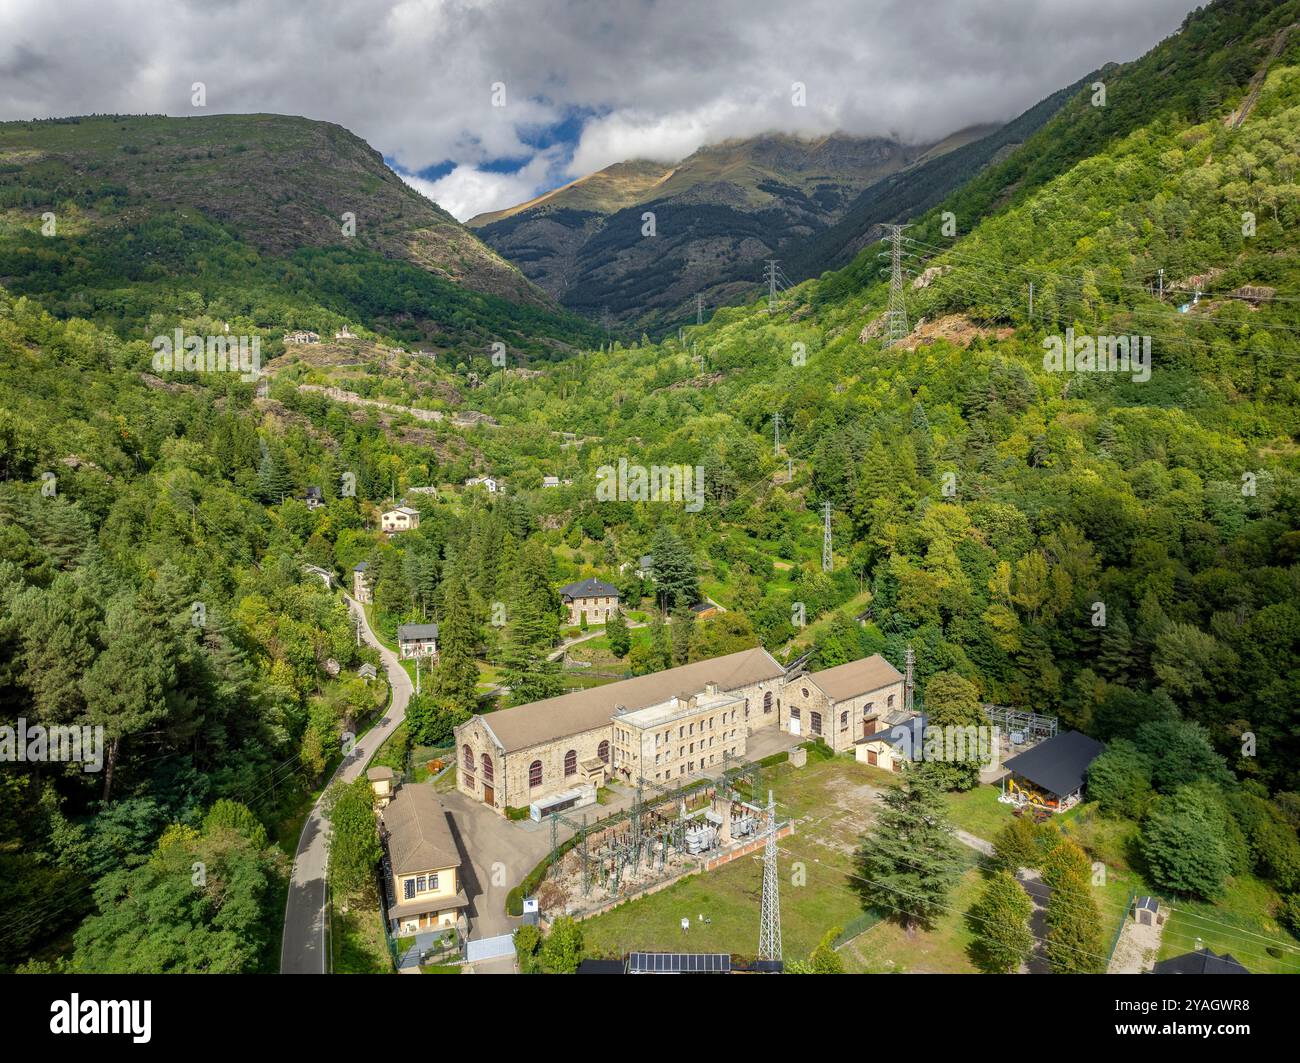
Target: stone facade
508	783
679	738
809	712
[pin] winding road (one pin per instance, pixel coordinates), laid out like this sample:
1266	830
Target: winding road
304	948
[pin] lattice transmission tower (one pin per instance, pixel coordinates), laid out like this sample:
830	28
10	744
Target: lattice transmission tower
897	328
769	929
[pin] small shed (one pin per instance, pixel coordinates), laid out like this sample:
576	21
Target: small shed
1147	912
381	782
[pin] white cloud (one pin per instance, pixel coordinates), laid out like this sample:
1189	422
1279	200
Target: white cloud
415	77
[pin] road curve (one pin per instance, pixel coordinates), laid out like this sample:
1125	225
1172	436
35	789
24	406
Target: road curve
303	948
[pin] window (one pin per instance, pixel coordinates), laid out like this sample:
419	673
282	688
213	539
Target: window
467	755
767	703
408	888
602	751
433	882
419	884
487	769
868	707
803	691
570	763
844	721
816	720
535	773
889	703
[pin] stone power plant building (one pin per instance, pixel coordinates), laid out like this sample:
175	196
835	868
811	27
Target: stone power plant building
665	727
511	758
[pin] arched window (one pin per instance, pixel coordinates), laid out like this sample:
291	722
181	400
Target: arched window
767	703
816	720
803	691
487	768
890	702
467	756
571	763
535	773
844	722
602	751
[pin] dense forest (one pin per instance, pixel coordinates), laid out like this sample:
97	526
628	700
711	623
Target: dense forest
1121	553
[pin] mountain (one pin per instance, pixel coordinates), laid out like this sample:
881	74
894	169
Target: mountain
718	214
233	206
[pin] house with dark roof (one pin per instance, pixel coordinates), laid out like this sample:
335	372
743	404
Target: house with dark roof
417	640
894	746
1051	775
842	704
591	597
1202	961
421	861
314	497
361	582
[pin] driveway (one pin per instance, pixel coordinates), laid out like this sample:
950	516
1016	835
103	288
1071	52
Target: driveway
304	948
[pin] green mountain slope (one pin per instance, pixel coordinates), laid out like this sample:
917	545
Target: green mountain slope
246	214
718	213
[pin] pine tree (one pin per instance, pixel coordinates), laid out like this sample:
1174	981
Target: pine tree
455	678
616	630
1000	922
1074	944
675	575
683	631
910	861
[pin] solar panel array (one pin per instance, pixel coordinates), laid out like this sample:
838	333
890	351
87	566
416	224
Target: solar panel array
678	963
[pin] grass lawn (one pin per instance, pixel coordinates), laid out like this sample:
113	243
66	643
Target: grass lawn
979	811
888	948
358	940
1240	923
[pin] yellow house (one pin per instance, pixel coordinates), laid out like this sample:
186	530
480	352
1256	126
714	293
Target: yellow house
423	863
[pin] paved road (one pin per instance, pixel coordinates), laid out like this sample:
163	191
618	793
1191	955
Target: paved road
303	948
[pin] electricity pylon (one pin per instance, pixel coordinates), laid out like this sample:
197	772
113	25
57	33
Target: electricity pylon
896	318
769	926
827	559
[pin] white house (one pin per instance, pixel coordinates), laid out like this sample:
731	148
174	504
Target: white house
417	640
403	518
490	483
361	582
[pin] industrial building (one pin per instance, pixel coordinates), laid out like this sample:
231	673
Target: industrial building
514	757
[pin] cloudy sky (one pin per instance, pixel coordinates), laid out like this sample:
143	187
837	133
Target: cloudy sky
585	83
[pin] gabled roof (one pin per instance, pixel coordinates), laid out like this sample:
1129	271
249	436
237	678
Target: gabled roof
361	566
856	677
585	710
589	588
419	838
1202	962
907	736
1058	765
403	509
417	631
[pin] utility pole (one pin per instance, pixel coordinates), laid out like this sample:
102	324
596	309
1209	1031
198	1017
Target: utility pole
699	310
772	273
897	313
826	538
1160	281
769	928
909	679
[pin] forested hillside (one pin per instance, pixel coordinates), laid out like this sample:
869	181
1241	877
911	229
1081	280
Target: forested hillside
261	222
1120	550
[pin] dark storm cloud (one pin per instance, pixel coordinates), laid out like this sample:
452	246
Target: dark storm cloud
653	79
